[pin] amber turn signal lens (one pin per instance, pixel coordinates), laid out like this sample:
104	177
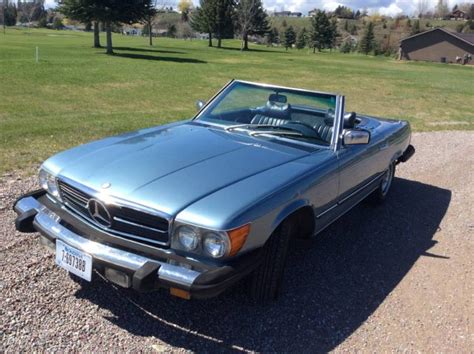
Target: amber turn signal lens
183	294
237	238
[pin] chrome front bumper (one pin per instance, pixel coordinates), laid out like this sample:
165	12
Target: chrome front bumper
48	223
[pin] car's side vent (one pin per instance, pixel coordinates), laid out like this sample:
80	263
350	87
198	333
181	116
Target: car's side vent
124	221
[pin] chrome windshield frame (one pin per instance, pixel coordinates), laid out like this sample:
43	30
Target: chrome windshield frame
338	116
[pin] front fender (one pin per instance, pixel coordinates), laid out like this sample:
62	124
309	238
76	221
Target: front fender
288	210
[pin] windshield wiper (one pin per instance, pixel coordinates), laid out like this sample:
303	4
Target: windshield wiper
247	126
274	130
278	132
270	127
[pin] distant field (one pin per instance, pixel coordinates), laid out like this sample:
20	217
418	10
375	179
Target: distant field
77	93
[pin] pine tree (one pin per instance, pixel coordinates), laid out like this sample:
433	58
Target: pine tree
415	28
204	18
302	38
106	11
367	43
290	37
224	26
332	34
272	37
320	31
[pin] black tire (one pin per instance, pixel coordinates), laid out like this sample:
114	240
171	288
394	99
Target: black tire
265	281
380	194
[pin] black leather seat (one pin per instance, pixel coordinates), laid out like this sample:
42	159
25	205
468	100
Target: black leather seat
264	119
272	114
325	127
324	131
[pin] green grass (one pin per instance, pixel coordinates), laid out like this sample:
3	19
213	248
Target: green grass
77	93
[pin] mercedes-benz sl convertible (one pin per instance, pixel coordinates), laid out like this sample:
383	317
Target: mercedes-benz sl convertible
196	205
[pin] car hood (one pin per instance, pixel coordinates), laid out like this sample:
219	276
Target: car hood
168	168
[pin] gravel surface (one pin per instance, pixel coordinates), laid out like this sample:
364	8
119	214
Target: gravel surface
392	278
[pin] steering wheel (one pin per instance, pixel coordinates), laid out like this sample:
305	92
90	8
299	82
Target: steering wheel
307	128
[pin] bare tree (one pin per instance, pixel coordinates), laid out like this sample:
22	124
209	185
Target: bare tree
251	19
423	6
31	10
158	6
442	9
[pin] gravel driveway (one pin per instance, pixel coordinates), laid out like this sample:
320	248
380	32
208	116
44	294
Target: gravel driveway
397	277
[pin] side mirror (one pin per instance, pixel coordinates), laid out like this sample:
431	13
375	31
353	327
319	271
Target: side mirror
200	104
355	137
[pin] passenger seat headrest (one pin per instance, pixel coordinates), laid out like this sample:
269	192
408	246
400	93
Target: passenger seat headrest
350	120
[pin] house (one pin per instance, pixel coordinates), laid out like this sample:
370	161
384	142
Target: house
312	13
287	14
457	15
438	45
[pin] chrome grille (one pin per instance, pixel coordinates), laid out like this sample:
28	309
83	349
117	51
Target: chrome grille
126	221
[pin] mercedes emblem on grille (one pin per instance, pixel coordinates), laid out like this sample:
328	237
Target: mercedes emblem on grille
98	211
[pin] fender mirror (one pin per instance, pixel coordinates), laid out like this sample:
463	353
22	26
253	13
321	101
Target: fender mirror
355	137
200	104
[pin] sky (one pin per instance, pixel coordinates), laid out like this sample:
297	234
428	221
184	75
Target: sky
384	7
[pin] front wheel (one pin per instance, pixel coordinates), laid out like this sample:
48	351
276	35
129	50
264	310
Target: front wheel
380	194
266	280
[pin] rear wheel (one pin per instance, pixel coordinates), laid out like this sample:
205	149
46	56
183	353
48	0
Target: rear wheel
266	280
380	194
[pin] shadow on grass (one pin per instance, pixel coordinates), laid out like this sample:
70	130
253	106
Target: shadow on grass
157	58
333	283
252	50
132	49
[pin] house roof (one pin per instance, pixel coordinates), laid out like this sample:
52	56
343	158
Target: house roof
466	37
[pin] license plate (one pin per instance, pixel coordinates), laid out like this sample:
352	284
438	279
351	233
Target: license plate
73	260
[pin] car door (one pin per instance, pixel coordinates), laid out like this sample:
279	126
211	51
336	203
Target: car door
359	169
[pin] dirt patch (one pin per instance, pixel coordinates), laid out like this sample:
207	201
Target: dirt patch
393	278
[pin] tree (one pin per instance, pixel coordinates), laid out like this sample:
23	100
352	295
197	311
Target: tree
224	26
272	36
204	18
149	16
290	37
9	15
58	23
81	10
422	7
347	45
43	22
416	28
332	34
251	20
107	11
171	31
353	29
302	38
31	10
442	9
367	42
320	31
185	6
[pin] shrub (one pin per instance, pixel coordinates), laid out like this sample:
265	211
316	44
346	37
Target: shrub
58	24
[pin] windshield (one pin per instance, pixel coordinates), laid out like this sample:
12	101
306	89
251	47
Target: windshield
274	111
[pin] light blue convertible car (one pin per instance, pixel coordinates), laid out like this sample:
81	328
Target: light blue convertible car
195	206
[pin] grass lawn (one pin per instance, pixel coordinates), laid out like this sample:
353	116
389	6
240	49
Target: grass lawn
77	93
